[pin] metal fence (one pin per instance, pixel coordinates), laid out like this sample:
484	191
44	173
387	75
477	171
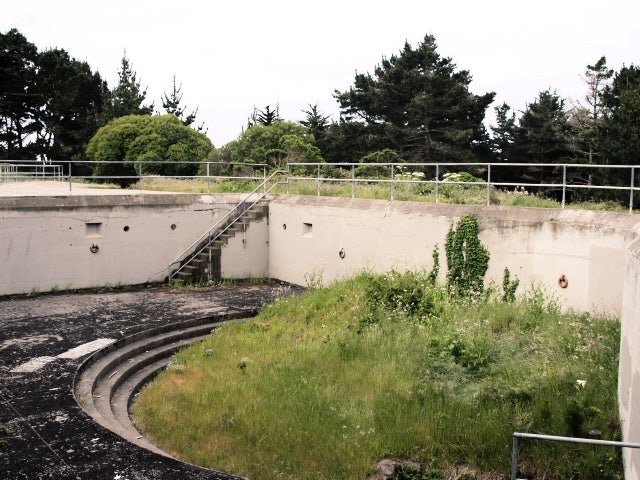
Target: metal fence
557	180
552	438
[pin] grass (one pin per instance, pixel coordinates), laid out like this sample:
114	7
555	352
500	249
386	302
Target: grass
417	192
324	385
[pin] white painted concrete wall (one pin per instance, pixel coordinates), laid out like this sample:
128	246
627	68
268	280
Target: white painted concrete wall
537	245
247	255
629	373
45	241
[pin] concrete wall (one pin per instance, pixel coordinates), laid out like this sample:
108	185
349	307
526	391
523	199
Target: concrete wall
599	254
629	373
537	245
45	242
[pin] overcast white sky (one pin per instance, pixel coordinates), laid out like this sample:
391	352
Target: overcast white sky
231	56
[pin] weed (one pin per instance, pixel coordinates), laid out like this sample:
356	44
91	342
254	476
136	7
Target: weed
509	286
467	258
431	378
4	431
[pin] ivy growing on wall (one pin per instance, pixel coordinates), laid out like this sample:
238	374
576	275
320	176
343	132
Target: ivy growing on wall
467	258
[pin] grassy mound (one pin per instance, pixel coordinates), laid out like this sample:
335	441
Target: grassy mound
325	385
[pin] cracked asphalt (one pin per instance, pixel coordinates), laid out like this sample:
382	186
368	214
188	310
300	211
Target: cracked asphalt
49	435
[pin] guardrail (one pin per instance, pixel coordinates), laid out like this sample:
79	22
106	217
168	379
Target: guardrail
439	174
560	178
16	171
552	438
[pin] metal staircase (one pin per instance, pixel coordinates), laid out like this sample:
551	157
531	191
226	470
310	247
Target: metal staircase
201	260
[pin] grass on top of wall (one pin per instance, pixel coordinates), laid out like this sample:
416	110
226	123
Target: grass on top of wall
416	192
325	385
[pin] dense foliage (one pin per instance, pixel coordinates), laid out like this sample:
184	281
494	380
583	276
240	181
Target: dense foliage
164	143
273	143
415	106
392	366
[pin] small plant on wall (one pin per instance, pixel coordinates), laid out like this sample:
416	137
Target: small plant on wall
467	258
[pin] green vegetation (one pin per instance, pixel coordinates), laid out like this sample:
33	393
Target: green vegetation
416	192
467	258
392	366
164	143
4	431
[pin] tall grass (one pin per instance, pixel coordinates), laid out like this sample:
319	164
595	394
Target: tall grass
409	191
324	385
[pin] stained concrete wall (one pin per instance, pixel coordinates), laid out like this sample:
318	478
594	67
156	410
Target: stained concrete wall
307	235
629	373
598	252
45	242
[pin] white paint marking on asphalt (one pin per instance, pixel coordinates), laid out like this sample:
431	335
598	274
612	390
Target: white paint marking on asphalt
86	348
33	365
74	353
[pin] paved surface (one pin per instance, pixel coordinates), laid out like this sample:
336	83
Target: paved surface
61	188
44	339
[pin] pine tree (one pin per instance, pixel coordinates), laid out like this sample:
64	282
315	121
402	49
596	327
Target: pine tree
127	97
172	104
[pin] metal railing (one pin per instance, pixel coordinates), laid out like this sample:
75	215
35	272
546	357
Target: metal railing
23	170
561	179
415	173
222	225
552	438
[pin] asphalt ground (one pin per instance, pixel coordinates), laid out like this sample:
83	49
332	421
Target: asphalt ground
43	340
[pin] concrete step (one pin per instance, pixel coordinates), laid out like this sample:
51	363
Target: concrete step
104	387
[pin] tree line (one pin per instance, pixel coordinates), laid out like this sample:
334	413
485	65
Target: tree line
415	106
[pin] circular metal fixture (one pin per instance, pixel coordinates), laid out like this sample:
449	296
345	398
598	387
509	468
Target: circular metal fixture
341	253
562	281
94	248
284	226
126	228
173	226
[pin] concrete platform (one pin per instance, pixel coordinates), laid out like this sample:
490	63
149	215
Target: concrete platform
59	188
50	435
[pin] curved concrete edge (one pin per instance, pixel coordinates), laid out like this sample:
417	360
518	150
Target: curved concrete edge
82	393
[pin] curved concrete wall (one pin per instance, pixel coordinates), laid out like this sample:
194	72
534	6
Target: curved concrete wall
537	245
45	244
599	253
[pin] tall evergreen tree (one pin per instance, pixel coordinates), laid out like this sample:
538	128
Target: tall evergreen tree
19	102
620	128
543	131
172	103
71	96
127	97
585	118
418	105
318	125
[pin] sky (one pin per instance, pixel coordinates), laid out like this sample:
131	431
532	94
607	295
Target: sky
232	56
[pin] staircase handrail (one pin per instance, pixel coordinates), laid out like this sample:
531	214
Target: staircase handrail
206	239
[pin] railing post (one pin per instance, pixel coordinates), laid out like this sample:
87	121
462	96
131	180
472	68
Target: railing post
631	193
208	178
488	184
353	180
514	458
69	177
318	179
393	180
564	184
437	180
